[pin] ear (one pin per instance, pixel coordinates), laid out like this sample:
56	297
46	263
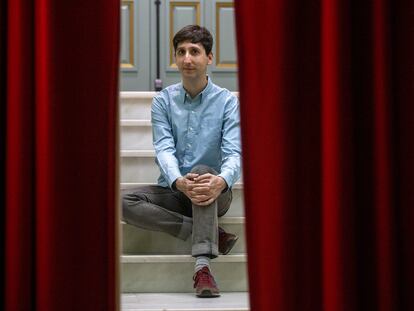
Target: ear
210	58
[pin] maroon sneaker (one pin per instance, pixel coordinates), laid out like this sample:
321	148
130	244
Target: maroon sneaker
205	284
226	241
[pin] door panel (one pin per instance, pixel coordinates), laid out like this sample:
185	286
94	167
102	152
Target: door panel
138	58
135	43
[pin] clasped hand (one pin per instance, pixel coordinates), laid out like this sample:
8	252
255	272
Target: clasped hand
201	189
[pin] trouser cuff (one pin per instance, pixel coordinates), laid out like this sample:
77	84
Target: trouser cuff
205	249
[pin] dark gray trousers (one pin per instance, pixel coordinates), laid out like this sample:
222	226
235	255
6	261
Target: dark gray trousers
162	209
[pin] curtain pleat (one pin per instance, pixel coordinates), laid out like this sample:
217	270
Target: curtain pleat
326	91
278	128
382	163
61	151
20	158
3	74
402	21
334	145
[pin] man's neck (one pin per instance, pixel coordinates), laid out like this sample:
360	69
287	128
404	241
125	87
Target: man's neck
194	87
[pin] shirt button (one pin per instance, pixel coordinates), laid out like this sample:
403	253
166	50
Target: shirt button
188	145
190	128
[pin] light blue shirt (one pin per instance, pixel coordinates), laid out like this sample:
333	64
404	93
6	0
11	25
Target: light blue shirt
202	130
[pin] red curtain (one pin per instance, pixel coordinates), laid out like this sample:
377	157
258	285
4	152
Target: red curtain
59	90
327	93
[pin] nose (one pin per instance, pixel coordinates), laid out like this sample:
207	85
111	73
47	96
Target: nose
187	57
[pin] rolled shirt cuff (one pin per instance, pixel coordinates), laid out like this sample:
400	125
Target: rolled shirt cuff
172	177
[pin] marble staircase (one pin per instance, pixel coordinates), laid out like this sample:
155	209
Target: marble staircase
155	264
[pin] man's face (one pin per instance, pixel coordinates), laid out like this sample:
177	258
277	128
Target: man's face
192	60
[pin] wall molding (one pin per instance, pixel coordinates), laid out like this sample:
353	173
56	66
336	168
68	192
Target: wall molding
131	9
174	5
219	62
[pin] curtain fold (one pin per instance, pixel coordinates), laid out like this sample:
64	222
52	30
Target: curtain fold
20	161
382	165
3	64
326	91
59	149
402	94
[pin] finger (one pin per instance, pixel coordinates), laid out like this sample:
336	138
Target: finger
191	176
196	194
191	182
194	201
193	194
201	203
207	202
200	198
201	190
189	186
202	181
204	176
197	201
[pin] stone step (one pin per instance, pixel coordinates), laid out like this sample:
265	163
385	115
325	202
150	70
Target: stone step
237	205
238	301
173	273
139	241
136	134
138	167
136	105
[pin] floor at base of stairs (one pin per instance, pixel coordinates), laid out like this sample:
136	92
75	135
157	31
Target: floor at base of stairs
184	302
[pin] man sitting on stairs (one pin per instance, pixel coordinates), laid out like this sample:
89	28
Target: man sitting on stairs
196	136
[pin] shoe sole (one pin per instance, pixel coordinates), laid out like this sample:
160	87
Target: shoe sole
231	244
207	294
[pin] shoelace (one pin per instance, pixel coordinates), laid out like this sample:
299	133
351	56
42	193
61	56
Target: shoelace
202	276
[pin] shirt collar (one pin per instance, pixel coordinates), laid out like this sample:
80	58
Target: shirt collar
205	91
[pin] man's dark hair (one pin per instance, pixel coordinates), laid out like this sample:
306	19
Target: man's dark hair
194	34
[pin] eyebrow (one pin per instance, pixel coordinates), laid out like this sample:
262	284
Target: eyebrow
191	47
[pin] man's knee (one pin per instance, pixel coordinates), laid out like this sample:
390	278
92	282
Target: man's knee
132	207
130	200
201	169
135	196
125	205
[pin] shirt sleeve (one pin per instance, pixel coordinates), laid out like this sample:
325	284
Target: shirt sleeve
231	145
163	141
